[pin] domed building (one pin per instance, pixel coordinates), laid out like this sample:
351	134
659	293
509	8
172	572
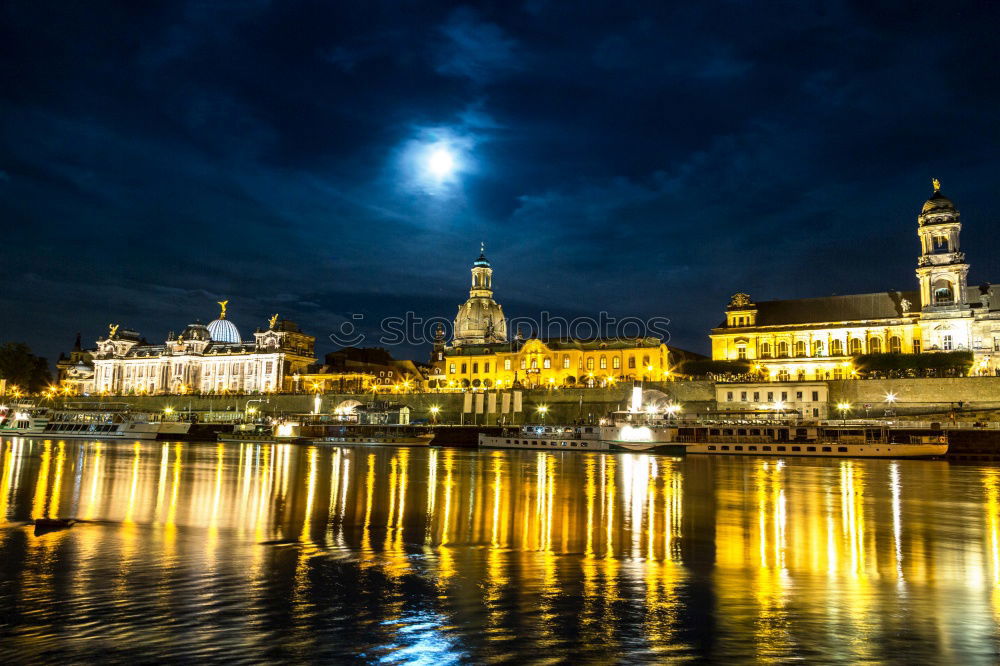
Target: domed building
223	330
203	359
480	319
481	357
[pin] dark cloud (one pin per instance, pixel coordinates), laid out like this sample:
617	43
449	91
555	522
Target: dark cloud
645	159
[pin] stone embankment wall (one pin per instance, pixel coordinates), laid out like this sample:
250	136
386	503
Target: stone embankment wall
913	397
916	396
563	405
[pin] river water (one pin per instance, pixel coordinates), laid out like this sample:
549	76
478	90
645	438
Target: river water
250	552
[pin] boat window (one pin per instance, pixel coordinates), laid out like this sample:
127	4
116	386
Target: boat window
751	448
583	444
711	447
781	448
741	431
725	448
796	448
766	448
572	443
827	449
739	448
842	449
508	441
811	448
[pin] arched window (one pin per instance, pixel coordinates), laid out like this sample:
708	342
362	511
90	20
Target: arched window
616	362
874	346
506	364
547	363
590	364
604	363
943	292
765	350
836	348
782	349
631	361
817	348
854	346
566	360
645	361
895	345
800	348
741	352
534	364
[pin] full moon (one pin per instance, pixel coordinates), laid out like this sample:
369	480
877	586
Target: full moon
441	163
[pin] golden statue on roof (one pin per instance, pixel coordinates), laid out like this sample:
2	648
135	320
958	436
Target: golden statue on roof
937	185
273	320
223	304
112	330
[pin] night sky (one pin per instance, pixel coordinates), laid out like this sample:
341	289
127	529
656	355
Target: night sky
643	160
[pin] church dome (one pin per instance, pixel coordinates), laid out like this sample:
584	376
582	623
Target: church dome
480	320
223	330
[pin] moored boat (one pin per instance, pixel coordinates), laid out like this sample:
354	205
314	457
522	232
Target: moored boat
579	438
99	421
23	419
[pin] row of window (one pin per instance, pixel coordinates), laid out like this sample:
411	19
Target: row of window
602	362
132	372
855	346
534	442
780	449
745	396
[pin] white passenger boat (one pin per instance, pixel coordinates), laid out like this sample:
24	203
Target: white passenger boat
811	440
23	419
104	421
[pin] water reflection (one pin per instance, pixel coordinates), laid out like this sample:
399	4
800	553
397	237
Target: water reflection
296	552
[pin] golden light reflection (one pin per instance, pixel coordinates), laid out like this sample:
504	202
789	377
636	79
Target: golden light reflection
525	543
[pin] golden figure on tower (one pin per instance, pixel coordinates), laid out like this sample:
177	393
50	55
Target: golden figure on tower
223	305
273	320
112	330
937	184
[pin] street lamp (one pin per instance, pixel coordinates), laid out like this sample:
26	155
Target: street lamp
890	400
843	408
542	411
435	410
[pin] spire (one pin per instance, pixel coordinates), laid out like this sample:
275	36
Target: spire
77	346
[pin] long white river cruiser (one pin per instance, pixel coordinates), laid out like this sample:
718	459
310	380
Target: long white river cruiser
23	419
828	441
101	421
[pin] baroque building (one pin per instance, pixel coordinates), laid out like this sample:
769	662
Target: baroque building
480	356
205	359
816	338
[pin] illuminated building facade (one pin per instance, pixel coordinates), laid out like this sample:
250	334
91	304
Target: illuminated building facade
481	357
76	371
195	361
816	338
